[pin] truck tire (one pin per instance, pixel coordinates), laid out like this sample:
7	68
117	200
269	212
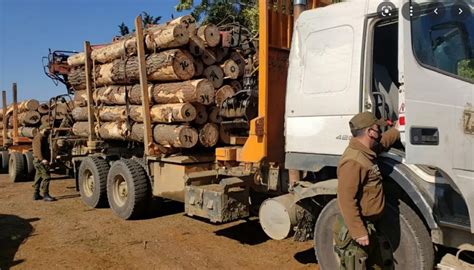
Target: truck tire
5	160
127	189
410	240
30	168
16	167
93	181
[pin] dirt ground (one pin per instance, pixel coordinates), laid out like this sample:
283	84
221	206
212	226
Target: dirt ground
68	235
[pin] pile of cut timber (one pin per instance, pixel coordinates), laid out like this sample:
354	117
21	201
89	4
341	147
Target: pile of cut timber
190	74
32	114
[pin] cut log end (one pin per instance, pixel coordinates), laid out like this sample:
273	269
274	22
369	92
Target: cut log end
209	135
210	34
201	114
215	75
223	93
231	69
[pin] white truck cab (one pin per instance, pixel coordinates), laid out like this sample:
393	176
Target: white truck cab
406	61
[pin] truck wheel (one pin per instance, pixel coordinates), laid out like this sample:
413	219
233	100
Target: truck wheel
127	189
93	181
5	160
16	167
406	232
30	168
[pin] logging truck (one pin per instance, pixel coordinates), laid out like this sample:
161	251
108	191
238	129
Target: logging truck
287	126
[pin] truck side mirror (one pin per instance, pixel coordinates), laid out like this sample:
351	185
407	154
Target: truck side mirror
466	68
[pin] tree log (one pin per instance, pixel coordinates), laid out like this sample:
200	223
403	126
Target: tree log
223	93
200	91
215	75
166	36
45	120
208	57
175	135
80	98
112	113
201	114
81	129
28	105
138	132
113	131
198	67
210	34
170	65
231	69
209	135
121	48
221	53
196	45
28	132
188	21
76	59
29	118
115	95
165	113
214	116
240	61
77	77
43	108
79	114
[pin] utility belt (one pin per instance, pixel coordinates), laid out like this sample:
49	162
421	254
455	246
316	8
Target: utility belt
355	257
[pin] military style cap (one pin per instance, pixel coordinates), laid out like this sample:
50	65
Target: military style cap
365	120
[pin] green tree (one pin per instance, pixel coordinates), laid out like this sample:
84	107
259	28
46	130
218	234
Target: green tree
123	29
223	11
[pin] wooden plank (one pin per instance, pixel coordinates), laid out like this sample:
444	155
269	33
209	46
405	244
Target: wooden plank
90	101
237	140
148	136
5	123
15	111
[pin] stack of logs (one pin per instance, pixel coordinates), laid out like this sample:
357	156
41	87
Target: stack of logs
32	115
190	74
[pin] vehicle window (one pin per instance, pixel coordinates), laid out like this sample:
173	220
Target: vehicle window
445	43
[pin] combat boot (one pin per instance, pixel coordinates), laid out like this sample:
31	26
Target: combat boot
48	198
37	196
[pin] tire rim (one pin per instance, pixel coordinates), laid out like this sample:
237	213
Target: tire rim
120	190
88	185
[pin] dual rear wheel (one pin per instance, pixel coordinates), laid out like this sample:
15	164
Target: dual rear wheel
124	186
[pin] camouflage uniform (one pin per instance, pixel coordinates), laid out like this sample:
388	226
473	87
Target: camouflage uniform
361	200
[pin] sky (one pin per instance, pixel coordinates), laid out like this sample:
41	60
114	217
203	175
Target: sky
28	28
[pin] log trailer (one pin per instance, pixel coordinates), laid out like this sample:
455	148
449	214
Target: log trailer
314	75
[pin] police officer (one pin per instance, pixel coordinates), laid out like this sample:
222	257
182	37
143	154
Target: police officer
360	195
42	176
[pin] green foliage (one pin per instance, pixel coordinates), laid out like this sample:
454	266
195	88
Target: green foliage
147	19
466	68
123	29
223	11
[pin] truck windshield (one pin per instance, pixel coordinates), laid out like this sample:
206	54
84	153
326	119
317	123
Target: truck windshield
444	42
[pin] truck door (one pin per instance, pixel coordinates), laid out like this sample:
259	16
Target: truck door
437	72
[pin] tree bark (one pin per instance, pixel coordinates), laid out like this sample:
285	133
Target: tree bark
121	48
201	114
188	21
29	118
181	136
77	59
209	135
224	135
210	34
166	36
223	93
81	129
112	113
196	45
165	113
200	91
113	131
215	75
208	57
79	114
221	53
138	132
80	98
115	95
45	120
28	132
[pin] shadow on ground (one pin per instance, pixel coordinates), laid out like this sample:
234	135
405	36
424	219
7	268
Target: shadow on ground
159	208
249	232
306	256
14	231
